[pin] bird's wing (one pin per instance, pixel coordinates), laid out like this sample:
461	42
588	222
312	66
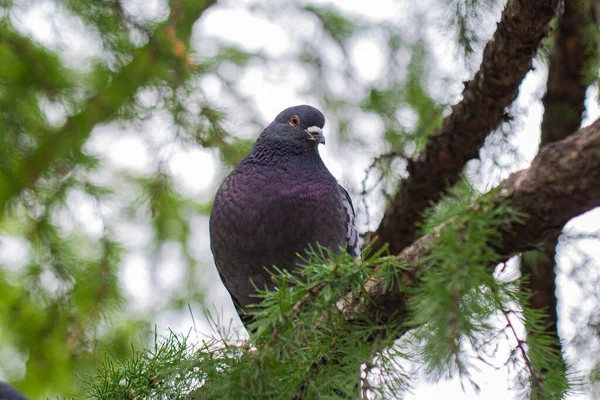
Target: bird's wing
7	392
246	318
353	247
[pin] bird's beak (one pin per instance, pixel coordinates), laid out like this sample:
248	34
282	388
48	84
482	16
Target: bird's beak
315	133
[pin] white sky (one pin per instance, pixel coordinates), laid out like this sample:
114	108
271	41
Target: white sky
126	151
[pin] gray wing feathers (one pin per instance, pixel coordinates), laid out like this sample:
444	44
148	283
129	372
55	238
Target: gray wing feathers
353	247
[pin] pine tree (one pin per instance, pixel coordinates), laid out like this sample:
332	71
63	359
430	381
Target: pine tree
429	287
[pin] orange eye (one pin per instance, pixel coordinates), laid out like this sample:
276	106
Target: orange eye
294	121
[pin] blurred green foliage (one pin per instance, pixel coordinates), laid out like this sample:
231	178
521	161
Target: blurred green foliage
63	310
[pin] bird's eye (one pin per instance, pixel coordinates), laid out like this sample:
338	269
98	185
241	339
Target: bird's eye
294	121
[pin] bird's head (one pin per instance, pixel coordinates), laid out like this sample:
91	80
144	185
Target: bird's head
301	125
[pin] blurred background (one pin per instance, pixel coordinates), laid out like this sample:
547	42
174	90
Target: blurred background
119	119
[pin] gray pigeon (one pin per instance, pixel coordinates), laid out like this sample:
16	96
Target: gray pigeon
277	202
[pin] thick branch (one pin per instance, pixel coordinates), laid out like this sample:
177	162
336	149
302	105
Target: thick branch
164	52
564	104
564	101
562	182
506	59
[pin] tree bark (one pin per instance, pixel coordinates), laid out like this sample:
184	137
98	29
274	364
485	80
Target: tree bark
562	182
564	104
506	60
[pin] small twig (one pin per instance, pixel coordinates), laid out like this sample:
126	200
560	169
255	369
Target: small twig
536	379
310	294
314	368
365	191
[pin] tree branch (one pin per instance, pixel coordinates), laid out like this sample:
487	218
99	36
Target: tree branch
506	59
564	104
164	53
562	182
564	101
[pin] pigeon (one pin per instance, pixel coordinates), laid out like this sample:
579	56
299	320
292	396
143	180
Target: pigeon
7	392
277	203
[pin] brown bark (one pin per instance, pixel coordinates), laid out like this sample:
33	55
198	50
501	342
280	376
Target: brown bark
564	104
562	182
564	101
506	59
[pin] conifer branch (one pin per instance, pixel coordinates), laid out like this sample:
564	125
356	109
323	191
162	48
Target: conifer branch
506	60
310	294
562	182
564	104
536	380
314	369
164	52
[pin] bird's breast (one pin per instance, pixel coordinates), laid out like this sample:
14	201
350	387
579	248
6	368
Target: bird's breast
305	190
261	219
282	207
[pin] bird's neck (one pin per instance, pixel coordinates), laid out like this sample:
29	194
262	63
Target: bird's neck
284	154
